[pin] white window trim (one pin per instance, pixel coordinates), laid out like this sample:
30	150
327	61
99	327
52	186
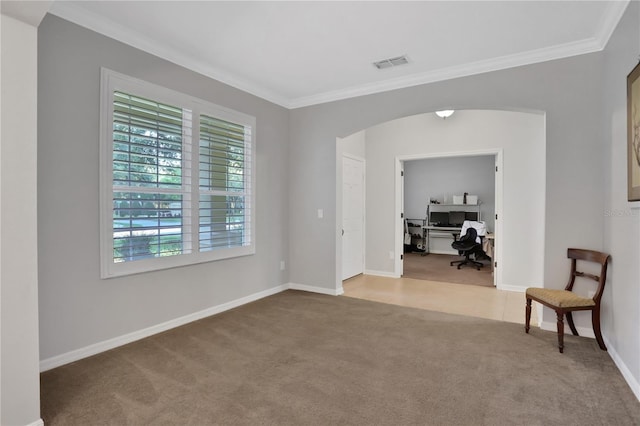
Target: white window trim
112	81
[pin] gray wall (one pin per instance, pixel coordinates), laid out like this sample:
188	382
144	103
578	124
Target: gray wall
574	154
352	145
432	178
575	170
77	309
621	317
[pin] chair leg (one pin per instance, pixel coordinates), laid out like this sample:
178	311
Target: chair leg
595	321
478	265
559	315
527	316
467	261
571	325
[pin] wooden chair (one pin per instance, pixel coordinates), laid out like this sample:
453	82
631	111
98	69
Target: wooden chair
565	301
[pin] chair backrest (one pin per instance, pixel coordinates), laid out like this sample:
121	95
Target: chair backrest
480	227
589	256
470	235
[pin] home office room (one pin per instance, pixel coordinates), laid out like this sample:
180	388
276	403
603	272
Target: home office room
440	194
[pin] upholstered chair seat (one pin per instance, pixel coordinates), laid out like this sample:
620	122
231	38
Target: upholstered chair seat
565	302
560	298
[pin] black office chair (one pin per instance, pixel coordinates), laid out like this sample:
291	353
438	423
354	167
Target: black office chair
467	246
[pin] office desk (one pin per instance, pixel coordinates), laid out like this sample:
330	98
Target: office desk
488	244
453	230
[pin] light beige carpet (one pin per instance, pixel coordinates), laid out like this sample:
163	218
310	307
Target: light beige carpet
436	267
298	358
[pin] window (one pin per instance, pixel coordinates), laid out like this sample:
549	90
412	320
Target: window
176	179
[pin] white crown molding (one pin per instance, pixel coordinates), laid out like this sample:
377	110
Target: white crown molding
94	22
78	15
608	25
610	21
495	64
29	12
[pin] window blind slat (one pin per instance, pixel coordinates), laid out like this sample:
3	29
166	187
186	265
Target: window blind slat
151	134
223	157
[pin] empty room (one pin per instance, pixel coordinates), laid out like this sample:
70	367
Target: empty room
174	229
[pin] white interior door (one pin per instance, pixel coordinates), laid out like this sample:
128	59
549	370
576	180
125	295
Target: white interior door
400	268
498	222
352	216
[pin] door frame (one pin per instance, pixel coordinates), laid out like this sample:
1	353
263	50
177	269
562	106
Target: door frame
364	209
399	229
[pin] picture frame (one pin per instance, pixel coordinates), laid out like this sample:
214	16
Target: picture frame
633	134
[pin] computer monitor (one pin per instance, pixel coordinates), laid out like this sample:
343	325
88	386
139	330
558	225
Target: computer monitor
439	218
471	216
456	218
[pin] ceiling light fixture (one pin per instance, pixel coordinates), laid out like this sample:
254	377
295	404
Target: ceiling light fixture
445	113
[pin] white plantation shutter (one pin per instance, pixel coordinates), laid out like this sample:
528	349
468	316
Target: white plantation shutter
225	184
150	199
152	205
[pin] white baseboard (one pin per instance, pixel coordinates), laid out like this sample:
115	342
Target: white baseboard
314	289
515	288
94	349
38	422
56	361
622	367
626	373
582	331
381	273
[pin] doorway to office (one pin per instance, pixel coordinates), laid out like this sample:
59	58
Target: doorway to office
518	141
434	208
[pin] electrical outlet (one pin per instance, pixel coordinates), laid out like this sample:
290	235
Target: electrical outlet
282	265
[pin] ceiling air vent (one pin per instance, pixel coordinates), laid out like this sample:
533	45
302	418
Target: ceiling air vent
391	62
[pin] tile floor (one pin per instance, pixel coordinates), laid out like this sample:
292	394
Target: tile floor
470	300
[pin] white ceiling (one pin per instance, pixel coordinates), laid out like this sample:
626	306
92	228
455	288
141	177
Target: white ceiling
303	53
